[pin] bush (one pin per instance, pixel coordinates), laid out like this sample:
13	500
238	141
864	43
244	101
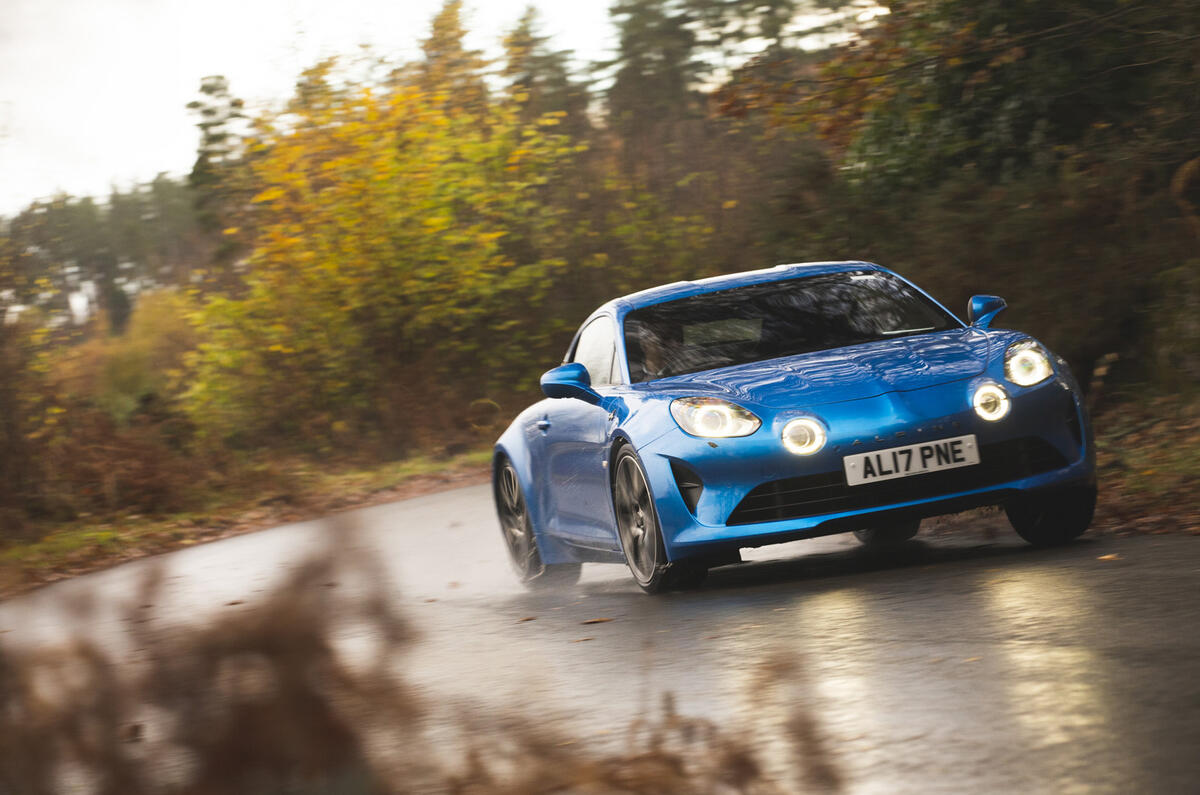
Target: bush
93	426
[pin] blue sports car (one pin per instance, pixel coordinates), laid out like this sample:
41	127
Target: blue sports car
697	418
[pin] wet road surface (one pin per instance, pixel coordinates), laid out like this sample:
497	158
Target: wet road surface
964	662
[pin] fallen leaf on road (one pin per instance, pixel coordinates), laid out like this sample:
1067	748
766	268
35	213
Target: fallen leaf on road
596	621
582	640
234	602
1111	556
526	618
428	601
973	659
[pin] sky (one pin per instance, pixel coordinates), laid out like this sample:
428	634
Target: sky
93	93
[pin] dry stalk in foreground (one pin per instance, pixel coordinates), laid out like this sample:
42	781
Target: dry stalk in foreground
264	701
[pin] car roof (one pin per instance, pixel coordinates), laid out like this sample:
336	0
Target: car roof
676	290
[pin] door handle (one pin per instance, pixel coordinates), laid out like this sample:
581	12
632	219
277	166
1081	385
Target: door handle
543	425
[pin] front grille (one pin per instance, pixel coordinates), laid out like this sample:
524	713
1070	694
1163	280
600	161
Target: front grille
812	495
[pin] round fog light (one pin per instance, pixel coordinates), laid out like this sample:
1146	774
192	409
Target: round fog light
803	436
990	402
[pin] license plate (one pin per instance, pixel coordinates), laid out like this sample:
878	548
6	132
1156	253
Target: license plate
911	459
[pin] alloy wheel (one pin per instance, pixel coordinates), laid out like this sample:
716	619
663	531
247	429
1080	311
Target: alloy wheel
637	522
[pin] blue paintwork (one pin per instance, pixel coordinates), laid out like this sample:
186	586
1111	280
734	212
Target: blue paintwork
569	381
870	396
982	309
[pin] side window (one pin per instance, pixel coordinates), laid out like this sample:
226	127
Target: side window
597	350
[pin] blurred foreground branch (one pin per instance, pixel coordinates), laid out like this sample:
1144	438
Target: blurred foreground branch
268	700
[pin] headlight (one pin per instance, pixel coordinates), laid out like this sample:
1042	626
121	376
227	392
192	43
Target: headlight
713	417
803	436
990	402
1026	364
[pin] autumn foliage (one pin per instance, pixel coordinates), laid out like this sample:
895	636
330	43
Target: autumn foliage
365	270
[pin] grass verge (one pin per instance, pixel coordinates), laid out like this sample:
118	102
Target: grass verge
268	494
1148	461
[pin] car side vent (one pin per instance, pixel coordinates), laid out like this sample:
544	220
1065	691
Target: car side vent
689	483
1073	423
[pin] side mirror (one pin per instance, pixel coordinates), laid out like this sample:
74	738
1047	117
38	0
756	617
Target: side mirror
982	308
569	381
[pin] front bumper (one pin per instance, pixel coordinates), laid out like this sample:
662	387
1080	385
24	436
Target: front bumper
715	495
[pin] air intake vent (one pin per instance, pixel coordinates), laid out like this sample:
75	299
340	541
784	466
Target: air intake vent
690	484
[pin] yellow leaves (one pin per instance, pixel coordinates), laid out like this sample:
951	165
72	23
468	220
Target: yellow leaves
729	205
232	230
390	204
269	195
516	156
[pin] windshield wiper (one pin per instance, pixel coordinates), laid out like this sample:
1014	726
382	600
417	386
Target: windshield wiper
907	331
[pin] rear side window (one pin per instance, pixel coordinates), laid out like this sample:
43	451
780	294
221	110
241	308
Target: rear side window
596	350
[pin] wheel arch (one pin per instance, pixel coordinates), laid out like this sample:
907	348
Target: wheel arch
522	462
620	439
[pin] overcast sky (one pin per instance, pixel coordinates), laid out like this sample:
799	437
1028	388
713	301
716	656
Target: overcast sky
93	92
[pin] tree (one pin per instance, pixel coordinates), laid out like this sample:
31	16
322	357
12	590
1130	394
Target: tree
540	78
380	269
1006	87
220	195
449	72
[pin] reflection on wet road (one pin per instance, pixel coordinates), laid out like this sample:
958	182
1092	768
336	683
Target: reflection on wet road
962	662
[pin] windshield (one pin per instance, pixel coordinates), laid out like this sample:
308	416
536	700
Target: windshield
768	321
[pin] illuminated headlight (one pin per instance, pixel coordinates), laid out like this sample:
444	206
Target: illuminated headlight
990	402
1025	364
803	436
713	417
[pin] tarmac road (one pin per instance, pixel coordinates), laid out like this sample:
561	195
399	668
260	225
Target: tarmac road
964	662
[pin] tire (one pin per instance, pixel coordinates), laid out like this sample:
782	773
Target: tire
1054	518
519	538
684	576
888	536
637	525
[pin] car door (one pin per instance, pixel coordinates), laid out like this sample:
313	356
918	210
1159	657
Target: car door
576	442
